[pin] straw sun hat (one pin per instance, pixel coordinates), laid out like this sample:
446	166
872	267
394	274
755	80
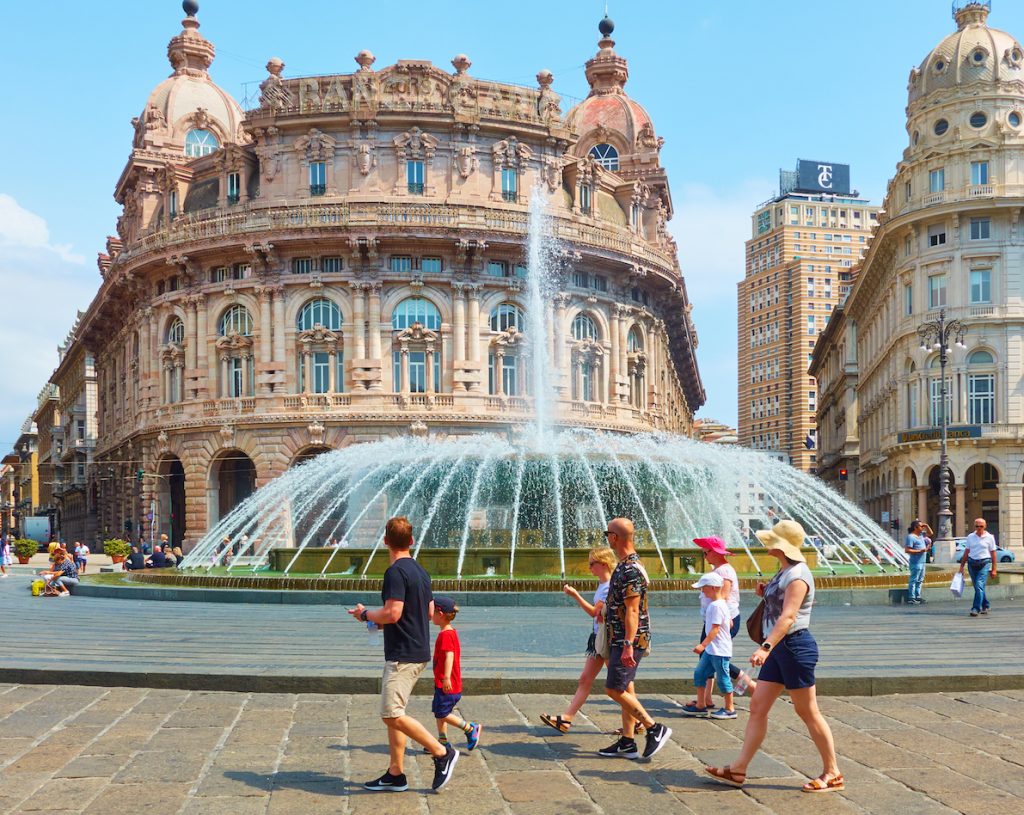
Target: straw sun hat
786	537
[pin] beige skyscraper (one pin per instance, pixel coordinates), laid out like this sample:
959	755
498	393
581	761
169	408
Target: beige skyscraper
800	260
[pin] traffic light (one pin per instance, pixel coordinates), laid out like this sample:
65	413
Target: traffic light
843	474
139	473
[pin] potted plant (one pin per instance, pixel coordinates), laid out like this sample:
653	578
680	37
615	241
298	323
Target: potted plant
24	549
117	549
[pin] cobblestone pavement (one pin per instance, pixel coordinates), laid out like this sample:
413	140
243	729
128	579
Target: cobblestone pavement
110	751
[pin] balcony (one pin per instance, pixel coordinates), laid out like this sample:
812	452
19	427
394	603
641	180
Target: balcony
981	191
415	189
934	198
510	196
317	189
233	199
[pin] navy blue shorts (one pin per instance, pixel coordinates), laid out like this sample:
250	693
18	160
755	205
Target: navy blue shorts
791	663
619	675
444	703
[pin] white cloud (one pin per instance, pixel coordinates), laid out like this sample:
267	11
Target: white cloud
41	288
711	227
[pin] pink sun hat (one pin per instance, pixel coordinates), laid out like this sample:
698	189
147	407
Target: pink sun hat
713	544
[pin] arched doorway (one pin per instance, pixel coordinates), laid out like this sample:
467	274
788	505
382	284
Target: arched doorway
308	453
169	510
232	480
981	495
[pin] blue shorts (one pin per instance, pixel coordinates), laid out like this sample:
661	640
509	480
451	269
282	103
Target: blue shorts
791	663
444	703
718	667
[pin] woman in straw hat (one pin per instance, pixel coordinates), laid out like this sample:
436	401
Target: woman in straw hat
787	658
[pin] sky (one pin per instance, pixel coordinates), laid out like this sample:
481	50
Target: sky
737	89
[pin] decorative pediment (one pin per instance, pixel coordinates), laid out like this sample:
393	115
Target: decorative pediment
509	339
588	350
417	332
316	146
233	342
415	143
318	335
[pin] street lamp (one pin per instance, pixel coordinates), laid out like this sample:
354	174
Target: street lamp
935	336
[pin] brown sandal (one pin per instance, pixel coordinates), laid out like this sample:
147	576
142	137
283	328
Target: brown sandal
819	784
727	776
556	722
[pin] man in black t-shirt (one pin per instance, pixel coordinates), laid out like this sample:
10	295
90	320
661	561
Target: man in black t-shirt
405	618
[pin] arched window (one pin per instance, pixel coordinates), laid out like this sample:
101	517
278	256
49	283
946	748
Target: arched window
236	320
605	155
583	328
421	345
416	310
320	312
637	367
319	346
981	389
507	315
634	344
176	332
200	143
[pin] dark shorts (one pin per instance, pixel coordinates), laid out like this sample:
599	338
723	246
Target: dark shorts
444	703
791	663
619	676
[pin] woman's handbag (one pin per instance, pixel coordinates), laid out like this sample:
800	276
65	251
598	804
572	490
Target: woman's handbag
755	622
602	642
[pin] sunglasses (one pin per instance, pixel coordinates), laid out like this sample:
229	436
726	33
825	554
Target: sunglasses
607	532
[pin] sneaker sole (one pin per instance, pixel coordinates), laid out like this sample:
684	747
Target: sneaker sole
631	755
722	718
385	789
703	715
448	776
660	744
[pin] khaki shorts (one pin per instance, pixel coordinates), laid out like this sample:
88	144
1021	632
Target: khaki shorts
396	687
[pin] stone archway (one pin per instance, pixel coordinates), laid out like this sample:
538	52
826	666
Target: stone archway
169	510
308	453
981	496
232	479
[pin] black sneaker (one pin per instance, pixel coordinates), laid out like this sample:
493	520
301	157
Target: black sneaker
388	783
657	737
622	748
443	768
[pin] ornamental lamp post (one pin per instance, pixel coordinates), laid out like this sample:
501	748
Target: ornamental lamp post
935	336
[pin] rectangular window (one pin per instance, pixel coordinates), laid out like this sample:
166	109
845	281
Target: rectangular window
585	200
907	246
981	229
234	188
173	203
979	173
912	405
937	291
317	178
400	263
634	215
172	283
908	299
331	265
220	274
302	265
907	189
520	271
581	280
321	372
241	271
810	325
414	177
509	185
936	402
937	235
600	282
236	377
497	268
981	286
937	180
430	265
981	398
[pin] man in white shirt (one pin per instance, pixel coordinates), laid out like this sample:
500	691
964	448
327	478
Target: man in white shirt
980	559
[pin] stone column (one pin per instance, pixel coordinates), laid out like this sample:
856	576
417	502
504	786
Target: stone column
474	333
332	373
459	332
225	377
202	344
279	334
375	327
922	505
623	343
404	384
266	340
145	360
429	361
307	371
155	368
359	321
615	367
563	367
191	339
578	375
499	371
960	509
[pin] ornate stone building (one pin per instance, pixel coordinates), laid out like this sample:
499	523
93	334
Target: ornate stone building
345	262
950	240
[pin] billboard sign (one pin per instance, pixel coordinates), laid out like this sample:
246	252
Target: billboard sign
823	176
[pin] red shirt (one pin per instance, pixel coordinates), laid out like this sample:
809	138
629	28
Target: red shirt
447	641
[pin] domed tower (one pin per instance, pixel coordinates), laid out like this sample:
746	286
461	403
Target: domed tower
616	133
187	117
949	247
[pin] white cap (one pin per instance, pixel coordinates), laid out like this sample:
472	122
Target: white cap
710	579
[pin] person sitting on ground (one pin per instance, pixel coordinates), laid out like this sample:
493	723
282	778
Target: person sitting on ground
51	547
63	574
170	561
157	560
136	560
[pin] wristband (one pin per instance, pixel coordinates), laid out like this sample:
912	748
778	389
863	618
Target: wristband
362	615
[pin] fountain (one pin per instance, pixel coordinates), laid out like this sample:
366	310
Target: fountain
487	505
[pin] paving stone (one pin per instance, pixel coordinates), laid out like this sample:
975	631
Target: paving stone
240	782
48	758
98	766
164	765
226	805
185	738
61	795
151	798
9	748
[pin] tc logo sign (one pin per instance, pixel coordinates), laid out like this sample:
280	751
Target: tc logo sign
825	176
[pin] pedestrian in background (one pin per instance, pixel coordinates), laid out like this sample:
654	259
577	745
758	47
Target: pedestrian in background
980	559
5	554
916	546
405	619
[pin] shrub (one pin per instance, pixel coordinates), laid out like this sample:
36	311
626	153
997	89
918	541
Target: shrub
115	547
23	547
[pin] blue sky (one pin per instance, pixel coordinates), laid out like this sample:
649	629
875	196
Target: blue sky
737	89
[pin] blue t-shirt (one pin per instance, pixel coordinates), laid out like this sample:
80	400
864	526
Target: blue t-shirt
916	542
408	640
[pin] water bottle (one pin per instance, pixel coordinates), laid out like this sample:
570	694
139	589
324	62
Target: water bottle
373	633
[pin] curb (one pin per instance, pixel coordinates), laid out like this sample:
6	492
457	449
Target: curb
478	686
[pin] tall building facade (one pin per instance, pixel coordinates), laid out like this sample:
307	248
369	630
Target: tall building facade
345	262
805	244
950	244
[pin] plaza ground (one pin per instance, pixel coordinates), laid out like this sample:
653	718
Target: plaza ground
102	751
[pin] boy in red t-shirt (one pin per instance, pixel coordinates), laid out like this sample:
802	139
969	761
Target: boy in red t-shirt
448	676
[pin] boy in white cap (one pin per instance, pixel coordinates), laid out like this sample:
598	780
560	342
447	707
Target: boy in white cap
715	650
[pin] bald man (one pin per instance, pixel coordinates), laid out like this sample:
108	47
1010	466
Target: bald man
630	639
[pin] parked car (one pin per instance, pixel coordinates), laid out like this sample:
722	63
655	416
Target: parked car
1002	555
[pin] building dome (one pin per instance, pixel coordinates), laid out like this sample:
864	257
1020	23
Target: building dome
972	54
188	100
